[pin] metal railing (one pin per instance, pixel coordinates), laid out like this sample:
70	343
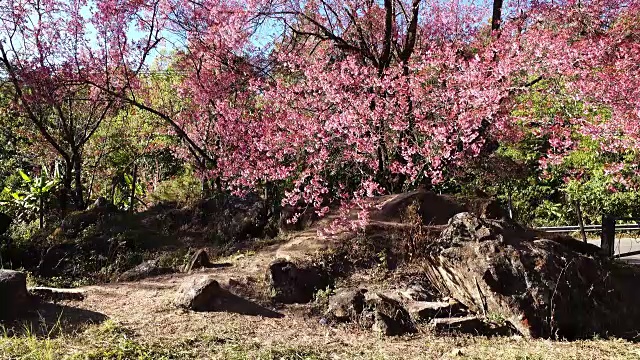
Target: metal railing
587	228
607	231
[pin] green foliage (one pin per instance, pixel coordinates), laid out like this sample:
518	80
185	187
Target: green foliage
184	189
29	197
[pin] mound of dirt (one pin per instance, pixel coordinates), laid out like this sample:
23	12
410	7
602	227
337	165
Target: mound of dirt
101	243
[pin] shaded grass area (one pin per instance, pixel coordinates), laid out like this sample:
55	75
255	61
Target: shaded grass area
112	341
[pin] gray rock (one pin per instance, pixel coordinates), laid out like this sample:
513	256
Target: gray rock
14	297
346	304
144	270
291	283
389	317
199	260
542	287
200	294
417	292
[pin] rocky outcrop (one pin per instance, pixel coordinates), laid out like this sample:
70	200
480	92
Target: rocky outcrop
427	310
544	288
78	221
232	218
433	209
14	297
386	316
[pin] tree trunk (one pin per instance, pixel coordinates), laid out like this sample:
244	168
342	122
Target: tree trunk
67	179
41	211
78	192
134	180
496	17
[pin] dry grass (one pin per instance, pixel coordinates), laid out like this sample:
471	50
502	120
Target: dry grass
144	324
112	341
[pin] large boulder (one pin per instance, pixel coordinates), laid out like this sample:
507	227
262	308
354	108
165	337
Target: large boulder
291	283
205	293
544	288
14	297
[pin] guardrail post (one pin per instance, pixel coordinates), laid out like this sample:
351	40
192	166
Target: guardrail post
607	238
581	222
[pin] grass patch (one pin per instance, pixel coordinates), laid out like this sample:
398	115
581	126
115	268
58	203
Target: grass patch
111	341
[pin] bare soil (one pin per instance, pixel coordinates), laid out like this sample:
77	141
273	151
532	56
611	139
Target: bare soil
146	309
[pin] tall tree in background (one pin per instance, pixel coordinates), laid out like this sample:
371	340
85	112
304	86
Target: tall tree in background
40	48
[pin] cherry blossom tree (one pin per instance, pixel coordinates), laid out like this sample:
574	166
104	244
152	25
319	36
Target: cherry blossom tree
381	96
355	97
39	50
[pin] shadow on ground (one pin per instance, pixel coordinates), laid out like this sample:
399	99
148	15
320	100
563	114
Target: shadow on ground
231	303
52	320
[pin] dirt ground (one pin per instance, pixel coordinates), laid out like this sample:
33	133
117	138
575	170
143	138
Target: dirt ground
145	309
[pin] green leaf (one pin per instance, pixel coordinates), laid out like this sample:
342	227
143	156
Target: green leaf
24	176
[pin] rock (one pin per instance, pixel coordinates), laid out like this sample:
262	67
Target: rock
232	218
467	325
14	297
347	304
433	209
417	292
200	294
5	221
144	270
199	260
76	222
388	315
293	284
542	287
427	310
205	293
55	295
